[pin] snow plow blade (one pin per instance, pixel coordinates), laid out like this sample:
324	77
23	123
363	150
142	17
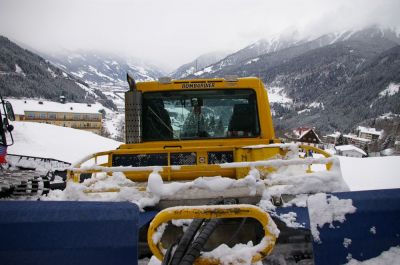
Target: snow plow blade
68	233
365	234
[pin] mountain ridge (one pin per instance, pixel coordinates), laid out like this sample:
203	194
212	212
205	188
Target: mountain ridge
26	74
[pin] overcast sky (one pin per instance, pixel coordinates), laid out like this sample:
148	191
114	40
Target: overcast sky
173	32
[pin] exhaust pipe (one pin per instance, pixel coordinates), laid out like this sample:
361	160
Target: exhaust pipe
133	113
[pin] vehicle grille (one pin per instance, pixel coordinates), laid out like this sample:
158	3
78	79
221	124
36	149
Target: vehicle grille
140	160
220	157
188	158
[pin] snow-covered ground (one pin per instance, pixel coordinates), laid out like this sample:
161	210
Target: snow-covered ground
371	173
62	143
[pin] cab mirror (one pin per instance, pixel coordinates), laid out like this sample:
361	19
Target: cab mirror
10	111
10	128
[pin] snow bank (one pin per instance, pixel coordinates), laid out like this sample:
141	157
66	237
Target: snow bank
239	254
62	143
371	173
297	183
104	188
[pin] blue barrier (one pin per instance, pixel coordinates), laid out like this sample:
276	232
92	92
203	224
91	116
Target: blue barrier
373	228
61	233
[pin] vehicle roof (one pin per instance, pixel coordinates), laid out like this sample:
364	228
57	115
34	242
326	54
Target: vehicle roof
200	84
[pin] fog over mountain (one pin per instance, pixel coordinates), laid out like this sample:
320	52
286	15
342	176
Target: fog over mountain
172	33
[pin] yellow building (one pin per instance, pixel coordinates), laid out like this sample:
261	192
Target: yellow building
75	115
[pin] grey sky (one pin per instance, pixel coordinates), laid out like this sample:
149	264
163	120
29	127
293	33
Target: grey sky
173	32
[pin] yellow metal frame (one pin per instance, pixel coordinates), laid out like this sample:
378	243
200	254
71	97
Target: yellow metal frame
211	212
191	172
316	150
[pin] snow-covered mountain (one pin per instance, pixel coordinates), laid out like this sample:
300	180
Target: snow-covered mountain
310	79
198	63
104	71
250	53
26	74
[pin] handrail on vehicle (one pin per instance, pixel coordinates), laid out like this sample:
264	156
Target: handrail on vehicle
76	169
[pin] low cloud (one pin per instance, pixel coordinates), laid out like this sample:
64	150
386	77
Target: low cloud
174	32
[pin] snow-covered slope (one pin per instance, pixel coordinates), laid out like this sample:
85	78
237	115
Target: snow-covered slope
50	141
104	70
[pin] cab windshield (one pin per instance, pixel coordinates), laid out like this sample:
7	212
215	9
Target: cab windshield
176	115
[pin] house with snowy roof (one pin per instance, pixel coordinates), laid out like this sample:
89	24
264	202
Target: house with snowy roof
359	142
304	135
75	115
369	133
397	146
331	138
350	151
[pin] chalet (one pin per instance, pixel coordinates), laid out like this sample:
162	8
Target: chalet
75	115
305	136
350	150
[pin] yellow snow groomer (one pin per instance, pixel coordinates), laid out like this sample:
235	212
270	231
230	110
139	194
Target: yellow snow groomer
187	129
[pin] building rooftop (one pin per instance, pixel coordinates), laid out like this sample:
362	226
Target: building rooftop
22	105
369	130
353	136
334	135
350	147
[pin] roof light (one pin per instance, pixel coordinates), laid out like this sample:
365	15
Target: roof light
231	78
165	80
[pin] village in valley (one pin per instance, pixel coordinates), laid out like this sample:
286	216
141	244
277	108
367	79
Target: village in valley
362	142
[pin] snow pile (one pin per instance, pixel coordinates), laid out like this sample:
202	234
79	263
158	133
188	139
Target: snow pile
290	219
104	188
325	210
157	187
392	256
239	254
158	234
295	183
62	143
371	173
117	187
